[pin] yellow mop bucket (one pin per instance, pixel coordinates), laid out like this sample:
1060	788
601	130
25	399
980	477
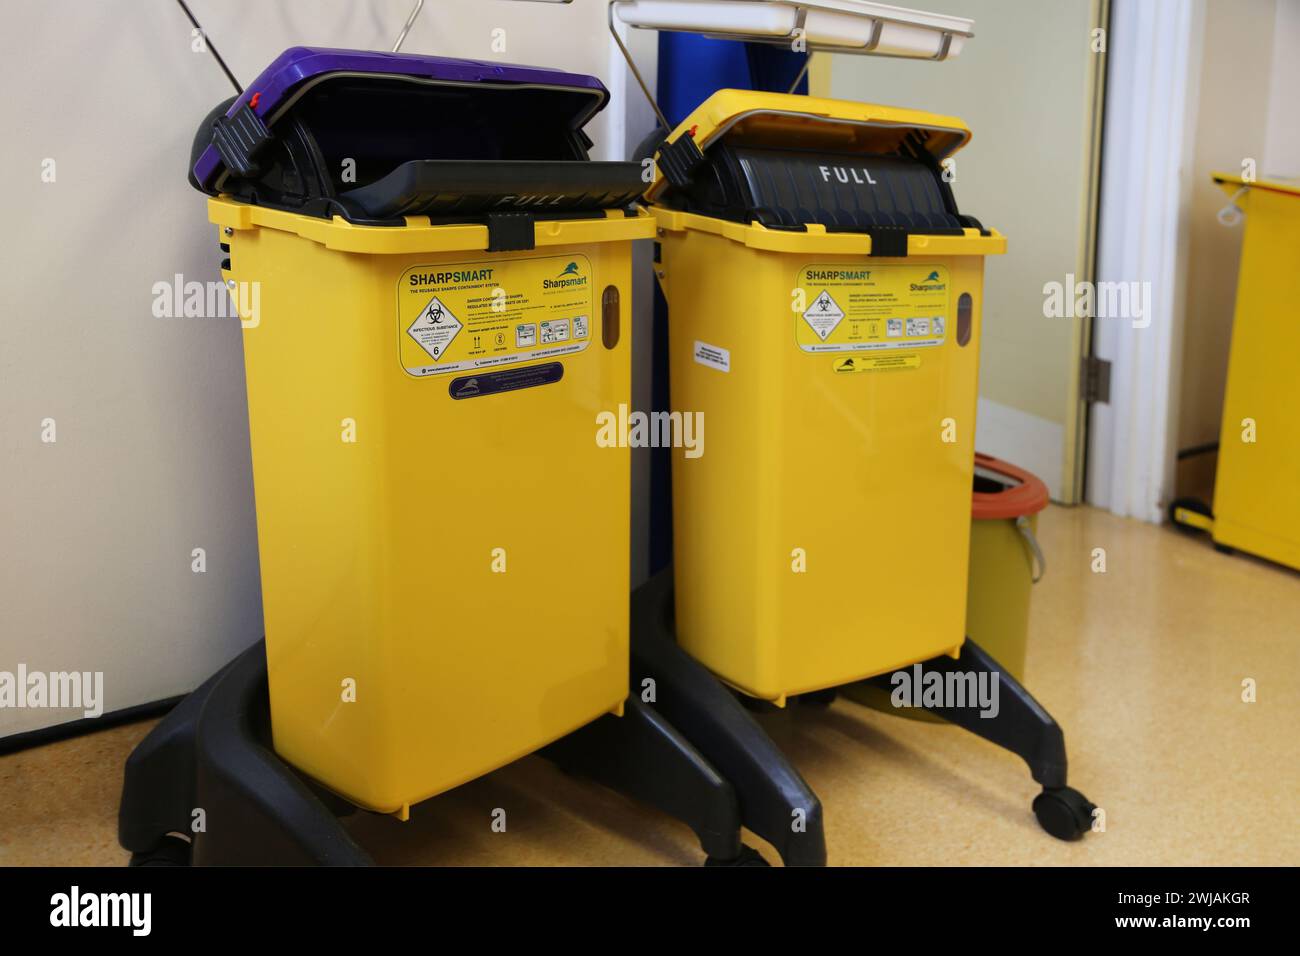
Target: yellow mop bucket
444	546
824	298
1005	559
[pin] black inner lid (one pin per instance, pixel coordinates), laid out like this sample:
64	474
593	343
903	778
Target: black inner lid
374	149
885	194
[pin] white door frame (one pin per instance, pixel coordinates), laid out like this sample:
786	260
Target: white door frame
1151	97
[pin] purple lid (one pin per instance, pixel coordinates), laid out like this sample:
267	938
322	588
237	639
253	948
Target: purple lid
298	64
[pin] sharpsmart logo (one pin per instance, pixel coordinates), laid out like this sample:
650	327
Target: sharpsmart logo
132	910
569	277
932	283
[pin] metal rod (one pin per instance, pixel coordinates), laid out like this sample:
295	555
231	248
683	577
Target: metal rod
800	35
803	71
410	21
212	49
613	31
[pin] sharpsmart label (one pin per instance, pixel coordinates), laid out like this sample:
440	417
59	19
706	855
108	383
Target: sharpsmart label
473	315
852	308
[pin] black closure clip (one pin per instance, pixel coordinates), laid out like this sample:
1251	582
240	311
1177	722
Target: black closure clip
680	159
888	241
239	138
511	232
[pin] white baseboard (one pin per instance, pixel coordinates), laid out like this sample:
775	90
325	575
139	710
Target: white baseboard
1022	439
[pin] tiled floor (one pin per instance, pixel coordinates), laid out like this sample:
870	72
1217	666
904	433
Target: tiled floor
1142	666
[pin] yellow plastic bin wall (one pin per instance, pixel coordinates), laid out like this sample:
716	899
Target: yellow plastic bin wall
1005	563
444	571
821	537
1257	484
997	607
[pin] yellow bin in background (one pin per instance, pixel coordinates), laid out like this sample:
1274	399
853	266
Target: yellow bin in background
824	300
1257	482
443	543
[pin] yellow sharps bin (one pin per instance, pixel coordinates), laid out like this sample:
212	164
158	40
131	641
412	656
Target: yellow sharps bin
435	282
824	300
1257	482
1005	563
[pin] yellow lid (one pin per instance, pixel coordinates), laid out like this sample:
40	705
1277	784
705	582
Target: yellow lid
752	117
815	240
420	234
1231	182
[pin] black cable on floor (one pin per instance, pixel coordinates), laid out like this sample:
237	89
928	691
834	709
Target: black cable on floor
1198	450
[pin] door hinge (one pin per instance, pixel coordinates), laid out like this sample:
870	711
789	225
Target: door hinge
1094	379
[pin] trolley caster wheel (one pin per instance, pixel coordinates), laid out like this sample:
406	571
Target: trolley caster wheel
1063	812
1194	505
170	851
821	699
748	857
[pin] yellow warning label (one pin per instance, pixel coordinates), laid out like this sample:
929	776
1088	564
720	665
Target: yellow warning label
472	315
875	363
851	308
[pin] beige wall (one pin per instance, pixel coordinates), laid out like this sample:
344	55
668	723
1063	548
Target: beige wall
1023	86
1282	137
151	459
1247	109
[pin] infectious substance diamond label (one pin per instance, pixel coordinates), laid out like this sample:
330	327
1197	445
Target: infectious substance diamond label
469	316
865	307
435	328
823	315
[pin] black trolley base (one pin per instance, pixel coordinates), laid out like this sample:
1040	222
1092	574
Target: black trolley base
1021	726
685	745
206	788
